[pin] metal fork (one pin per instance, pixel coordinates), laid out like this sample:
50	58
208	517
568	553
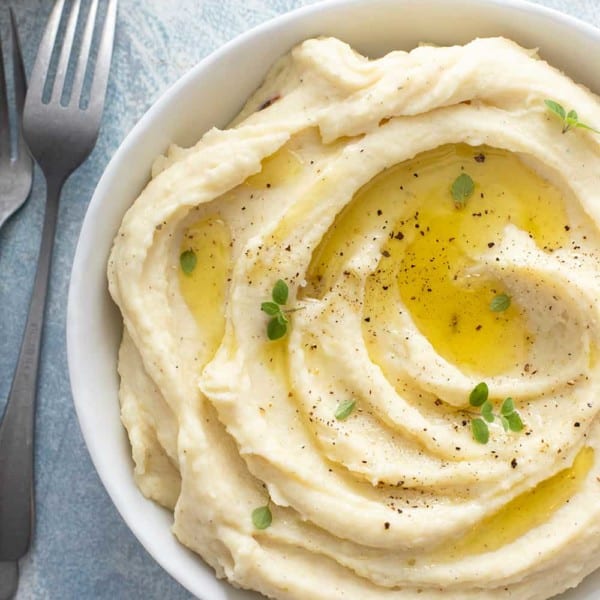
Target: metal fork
60	138
15	173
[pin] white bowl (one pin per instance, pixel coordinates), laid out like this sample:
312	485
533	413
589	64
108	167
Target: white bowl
219	85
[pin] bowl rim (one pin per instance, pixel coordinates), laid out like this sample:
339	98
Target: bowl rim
94	213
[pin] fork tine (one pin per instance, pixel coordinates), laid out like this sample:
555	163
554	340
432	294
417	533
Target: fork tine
65	51
4	127
39	73
84	53
100	80
20	81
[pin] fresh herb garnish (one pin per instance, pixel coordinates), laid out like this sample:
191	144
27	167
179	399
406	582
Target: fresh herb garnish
500	303
481	432
278	323
479	394
487	411
271	308
280	292
262	517
277	327
515	423
509	417
570	120
462	189
344	409
508	407
188	261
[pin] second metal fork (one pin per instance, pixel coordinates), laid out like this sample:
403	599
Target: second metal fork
16	174
60	135
16	168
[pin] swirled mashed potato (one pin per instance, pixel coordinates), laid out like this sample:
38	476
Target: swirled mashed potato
352	434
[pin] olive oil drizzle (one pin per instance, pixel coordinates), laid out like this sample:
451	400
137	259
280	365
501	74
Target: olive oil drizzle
527	511
277	169
204	289
431	247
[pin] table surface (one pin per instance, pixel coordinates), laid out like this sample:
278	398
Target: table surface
82	548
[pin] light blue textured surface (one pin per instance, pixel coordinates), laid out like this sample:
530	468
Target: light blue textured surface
82	548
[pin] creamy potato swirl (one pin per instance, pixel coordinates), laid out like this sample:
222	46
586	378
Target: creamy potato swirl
322	188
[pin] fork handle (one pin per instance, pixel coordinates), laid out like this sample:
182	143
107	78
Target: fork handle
17	427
